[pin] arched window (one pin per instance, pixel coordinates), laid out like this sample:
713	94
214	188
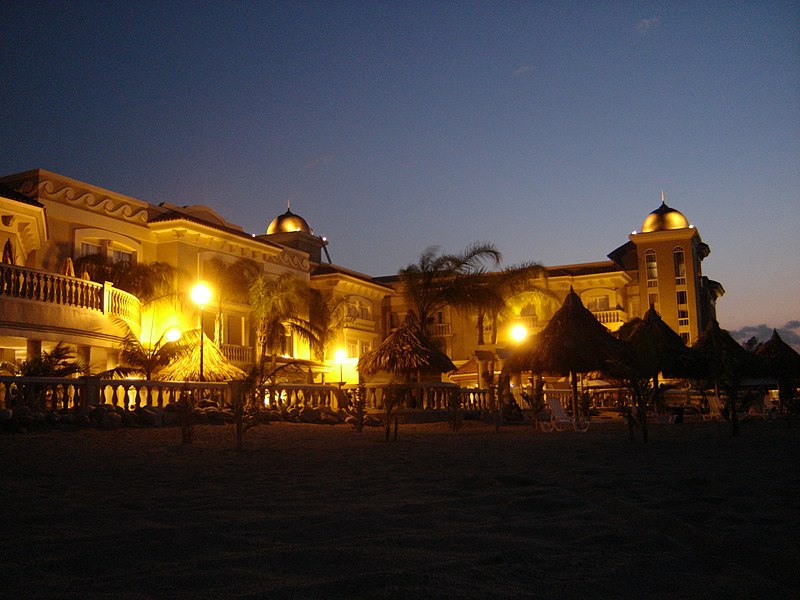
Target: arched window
651	268
680	266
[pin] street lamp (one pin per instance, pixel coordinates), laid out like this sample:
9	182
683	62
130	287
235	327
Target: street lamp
201	294
339	356
518	333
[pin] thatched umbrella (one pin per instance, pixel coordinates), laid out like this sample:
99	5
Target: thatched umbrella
573	342
405	351
783	363
187	367
656	348
728	364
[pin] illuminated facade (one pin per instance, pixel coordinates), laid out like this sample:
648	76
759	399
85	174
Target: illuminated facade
46	218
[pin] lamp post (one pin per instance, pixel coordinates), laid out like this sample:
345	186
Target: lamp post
201	294
340	355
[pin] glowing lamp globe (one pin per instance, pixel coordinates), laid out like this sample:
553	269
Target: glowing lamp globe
201	294
518	333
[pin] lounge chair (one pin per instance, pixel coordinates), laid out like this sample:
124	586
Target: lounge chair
560	421
714	409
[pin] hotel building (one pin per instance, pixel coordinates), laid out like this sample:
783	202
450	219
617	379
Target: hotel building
46	219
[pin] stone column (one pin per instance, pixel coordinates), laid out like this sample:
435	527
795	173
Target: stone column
33	349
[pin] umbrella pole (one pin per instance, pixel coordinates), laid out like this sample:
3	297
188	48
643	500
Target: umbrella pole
574	377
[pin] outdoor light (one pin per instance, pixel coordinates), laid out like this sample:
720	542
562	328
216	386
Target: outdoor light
201	294
173	334
518	333
339	356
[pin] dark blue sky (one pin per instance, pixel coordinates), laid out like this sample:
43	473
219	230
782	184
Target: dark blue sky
549	128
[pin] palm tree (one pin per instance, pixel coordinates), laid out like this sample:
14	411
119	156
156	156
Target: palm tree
140	359
494	295
58	362
436	281
327	316
147	281
277	304
232	282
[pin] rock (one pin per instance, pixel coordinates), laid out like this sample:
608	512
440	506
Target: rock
214	415
23	416
130	419
149	417
113	420
309	415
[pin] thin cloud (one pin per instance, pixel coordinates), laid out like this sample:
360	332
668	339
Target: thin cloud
644	25
520	71
319	161
763	333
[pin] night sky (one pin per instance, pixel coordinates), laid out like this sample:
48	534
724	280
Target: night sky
548	128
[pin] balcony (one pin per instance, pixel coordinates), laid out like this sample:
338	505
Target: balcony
361	324
439	329
21	283
610	317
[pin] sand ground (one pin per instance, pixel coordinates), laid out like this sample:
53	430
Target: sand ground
308	511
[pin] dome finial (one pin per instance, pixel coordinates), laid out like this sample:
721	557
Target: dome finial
662	197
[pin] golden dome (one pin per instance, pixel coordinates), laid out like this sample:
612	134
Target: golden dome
288	222
664	218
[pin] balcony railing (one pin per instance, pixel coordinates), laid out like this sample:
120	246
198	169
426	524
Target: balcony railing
609	316
41	286
237	354
361	324
439	329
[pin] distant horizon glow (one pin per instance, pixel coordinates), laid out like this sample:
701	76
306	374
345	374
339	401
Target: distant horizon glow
548	129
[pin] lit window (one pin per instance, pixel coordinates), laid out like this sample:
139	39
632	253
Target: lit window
680	267
651	268
366	312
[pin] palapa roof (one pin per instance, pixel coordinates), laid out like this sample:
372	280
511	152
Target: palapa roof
780	358
724	356
187	367
656	347
406	350
573	341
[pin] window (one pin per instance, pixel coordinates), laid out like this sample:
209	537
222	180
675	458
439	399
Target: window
365	347
234	326
680	266
681	298
352	349
651	268
683	317
685	337
88	248
121	256
598	304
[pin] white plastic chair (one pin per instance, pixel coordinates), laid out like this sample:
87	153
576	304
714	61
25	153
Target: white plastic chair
560	421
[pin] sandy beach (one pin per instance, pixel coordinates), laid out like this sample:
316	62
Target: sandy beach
314	511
